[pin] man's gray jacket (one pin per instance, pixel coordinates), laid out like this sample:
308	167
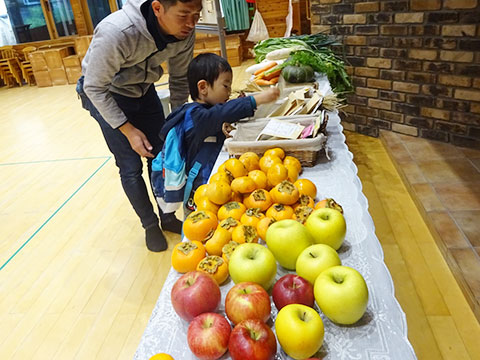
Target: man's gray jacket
123	58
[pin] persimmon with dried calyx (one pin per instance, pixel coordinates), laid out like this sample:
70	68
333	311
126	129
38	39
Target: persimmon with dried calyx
219	239
306	187
259	177
301	213
205	204
260	199
229	224
215	266
252	216
245	234
228	249
263	225
328	203
276	174
275	152
235	167
304	200
219	192
232	209
186	255
243	185
199	225
250	160
280	212
290	160
285	193
266	162
221	176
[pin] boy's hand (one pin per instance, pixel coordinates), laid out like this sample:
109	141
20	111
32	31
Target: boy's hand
269	95
226	128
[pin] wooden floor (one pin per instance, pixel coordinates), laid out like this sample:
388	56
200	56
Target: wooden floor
77	282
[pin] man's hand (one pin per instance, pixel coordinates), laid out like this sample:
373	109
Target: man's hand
269	95
137	139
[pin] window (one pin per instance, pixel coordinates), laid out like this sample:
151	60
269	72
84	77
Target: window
28	21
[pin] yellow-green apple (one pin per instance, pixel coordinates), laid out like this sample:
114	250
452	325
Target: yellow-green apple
299	330
194	293
208	336
247	300
327	226
292	289
342	294
253	262
287	239
252	339
314	259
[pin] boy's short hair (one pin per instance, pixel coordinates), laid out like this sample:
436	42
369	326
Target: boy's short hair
206	67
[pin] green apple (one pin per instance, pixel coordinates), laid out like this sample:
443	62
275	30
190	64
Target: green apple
314	259
299	330
253	262
327	226
342	294
287	239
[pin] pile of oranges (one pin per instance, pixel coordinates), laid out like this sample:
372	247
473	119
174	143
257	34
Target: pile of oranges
238	204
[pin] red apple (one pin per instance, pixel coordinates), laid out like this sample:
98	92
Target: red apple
247	300
195	293
208	335
252	339
292	289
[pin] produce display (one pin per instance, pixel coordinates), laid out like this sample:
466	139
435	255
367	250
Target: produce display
297	57
253	235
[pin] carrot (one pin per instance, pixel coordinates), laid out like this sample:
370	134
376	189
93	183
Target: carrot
274	80
262	82
265	68
269	75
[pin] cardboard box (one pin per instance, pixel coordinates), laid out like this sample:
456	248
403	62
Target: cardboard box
38	61
58	76
81	44
71	61
54	57
42	78
73	74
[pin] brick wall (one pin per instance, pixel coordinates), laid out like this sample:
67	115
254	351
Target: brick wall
415	65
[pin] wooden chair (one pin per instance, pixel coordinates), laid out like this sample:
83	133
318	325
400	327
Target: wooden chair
10	66
7	51
26	66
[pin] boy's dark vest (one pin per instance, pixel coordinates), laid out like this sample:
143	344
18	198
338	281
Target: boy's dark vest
174	175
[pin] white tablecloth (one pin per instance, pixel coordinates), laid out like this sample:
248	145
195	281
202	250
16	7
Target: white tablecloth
381	334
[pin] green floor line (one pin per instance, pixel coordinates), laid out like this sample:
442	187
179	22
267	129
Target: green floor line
54	160
51	216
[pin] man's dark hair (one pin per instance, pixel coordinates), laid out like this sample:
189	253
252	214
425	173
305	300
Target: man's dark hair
206	67
167	3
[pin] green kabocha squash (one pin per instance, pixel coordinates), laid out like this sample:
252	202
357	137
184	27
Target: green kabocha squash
298	73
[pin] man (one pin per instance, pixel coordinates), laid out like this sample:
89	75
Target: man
119	69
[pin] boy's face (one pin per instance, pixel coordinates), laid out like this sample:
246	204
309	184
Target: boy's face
178	20
220	91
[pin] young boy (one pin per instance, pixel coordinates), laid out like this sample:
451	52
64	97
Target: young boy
193	132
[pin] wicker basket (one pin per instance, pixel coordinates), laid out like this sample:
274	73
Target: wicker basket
305	150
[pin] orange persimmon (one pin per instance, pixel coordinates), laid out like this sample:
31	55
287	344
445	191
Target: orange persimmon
232	209
280	212
215	266
199	225
186	255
